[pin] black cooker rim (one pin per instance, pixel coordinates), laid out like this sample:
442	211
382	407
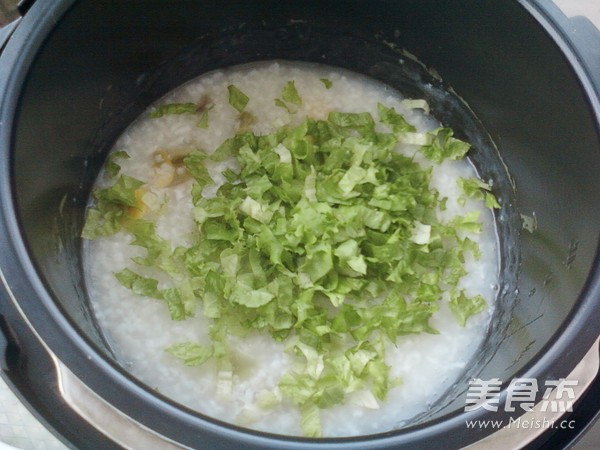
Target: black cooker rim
103	376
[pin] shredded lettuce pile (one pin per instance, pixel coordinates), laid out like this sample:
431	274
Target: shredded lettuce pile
325	238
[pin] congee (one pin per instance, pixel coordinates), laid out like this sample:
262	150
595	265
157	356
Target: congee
293	248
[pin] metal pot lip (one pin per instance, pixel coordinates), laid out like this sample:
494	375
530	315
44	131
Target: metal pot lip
62	337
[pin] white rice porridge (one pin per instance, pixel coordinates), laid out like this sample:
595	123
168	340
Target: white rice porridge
139	329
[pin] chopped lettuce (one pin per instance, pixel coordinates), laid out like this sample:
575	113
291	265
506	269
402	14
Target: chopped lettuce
103	219
202	109
491	201
158	250
113	207
140	285
324	237
121	193
203	119
174	108
445	145
237	98
194	163
394	120
289	97
311	420
479	190
326	82
191	353
290	94
464	307
112	167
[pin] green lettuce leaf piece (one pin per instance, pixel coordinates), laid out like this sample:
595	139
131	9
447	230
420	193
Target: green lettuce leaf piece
361	122
268	399
472	187
191	353
469	222
230	175
394	120
491	201
112	167
464	307
256	210
111	210
311	420
158	250
237	98
244	293
138	284
290	94
349	254
195	164
121	193
326	82
314	360
445	146
203	119
281	104
359	358
230	147
104	219
379	373
318	263
174	108
181	301
475	188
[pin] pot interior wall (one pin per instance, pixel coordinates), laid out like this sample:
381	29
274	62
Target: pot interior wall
106	61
